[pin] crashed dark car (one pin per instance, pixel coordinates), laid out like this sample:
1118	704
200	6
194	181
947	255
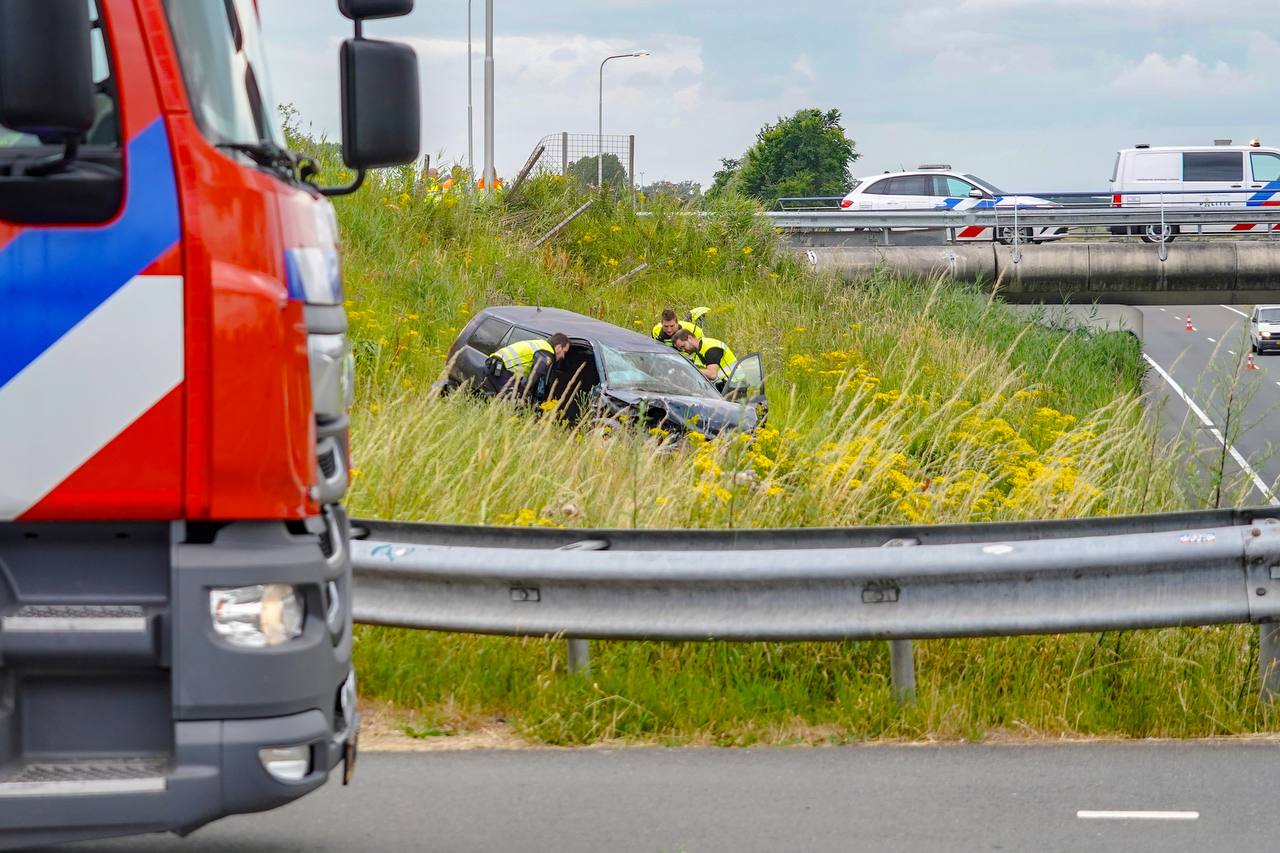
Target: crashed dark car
613	374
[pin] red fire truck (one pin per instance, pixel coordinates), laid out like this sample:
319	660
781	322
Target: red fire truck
175	623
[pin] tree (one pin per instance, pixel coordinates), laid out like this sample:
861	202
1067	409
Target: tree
807	154
584	172
724	176
683	192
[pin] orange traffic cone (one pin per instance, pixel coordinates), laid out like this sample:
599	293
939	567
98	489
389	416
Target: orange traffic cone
1249	365
1190	328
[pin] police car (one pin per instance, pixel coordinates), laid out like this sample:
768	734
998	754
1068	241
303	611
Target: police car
936	186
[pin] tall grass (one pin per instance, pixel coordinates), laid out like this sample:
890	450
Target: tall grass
890	401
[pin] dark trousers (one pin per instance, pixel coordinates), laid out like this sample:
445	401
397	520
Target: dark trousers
499	380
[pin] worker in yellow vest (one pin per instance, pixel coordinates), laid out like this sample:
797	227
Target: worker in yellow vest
521	369
711	356
669	324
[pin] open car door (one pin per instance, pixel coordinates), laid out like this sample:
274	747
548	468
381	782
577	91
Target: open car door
745	382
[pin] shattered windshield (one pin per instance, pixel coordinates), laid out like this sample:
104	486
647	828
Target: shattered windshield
657	372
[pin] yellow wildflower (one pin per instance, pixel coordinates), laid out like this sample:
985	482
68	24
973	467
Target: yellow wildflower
615	228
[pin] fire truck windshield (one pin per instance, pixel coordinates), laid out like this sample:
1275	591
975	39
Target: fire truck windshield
224	66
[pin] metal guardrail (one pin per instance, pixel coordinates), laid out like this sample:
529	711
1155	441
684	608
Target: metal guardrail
1183	569
1026	217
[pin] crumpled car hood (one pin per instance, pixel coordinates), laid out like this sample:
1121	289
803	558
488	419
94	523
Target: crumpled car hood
700	414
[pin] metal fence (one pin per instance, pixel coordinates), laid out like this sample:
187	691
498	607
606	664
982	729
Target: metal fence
577	156
897	584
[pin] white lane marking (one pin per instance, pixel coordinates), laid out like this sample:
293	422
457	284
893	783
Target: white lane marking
1233	352
1229	308
1105	814
1211	340
1204	419
1161	309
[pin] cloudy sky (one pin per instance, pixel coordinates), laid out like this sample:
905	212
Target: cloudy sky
1035	95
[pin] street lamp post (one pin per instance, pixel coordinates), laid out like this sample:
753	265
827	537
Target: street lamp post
600	119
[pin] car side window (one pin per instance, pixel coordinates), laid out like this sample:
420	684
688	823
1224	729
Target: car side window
519	334
488	335
949	186
878	187
911	185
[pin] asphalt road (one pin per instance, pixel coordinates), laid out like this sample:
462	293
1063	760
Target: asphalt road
1203	363
875	798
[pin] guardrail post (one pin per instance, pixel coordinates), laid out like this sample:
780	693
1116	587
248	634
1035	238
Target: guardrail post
902	667
579	657
902	654
1268	661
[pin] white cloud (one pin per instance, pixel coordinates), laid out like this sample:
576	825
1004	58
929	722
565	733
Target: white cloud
804	67
544	83
1184	76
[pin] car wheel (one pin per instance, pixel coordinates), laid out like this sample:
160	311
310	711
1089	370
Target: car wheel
1159	233
1006	233
605	427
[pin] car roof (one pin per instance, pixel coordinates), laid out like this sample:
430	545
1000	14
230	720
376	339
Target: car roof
548	321
914	172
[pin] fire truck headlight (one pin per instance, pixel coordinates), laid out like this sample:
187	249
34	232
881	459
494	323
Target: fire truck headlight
255	617
332	374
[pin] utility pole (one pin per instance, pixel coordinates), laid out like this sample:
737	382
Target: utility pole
489	174
471	124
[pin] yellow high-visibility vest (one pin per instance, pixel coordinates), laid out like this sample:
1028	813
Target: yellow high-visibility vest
726	360
692	328
518	357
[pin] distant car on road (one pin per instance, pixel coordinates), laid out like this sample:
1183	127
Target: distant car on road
931	187
612	372
1264	329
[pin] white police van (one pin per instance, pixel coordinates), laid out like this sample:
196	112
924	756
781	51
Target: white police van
936	186
1218	175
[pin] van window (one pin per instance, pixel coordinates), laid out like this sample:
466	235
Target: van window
1115	168
877	188
1212	166
1265	167
488	335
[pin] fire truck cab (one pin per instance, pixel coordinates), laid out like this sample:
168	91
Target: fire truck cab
175	621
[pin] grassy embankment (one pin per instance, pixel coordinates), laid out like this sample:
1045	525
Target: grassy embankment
891	401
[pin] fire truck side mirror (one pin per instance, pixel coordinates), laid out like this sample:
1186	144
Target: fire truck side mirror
381	119
46	67
363	10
